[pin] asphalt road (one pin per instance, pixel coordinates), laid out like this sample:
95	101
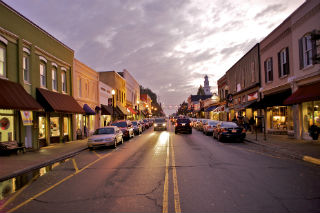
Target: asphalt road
164	172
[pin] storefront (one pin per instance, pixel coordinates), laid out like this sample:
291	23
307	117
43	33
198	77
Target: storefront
17	109
55	124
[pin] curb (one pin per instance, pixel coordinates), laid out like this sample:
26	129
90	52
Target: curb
305	158
46	163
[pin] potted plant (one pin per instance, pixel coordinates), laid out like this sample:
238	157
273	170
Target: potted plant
314	132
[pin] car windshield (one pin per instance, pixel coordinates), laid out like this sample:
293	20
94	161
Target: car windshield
229	125
213	123
104	131
183	120
159	120
134	123
120	124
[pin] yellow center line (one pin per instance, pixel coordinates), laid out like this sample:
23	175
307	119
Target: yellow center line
96	154
166	183
75	165
175	184
56	184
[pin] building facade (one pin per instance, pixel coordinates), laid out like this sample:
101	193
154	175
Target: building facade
86	93
42	65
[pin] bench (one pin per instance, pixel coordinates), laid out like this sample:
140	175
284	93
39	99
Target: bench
11	146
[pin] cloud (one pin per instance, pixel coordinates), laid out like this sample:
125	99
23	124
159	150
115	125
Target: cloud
271	9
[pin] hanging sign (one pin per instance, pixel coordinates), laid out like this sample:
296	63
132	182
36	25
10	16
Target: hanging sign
27	117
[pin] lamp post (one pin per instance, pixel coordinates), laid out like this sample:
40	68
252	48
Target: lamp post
138	102
113	92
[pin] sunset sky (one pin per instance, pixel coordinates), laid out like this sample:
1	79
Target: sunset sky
167	45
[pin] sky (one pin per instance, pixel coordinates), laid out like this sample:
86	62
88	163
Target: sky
166	45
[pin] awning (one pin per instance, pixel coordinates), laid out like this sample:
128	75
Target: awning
132	110
272	100
211	108
14	96
88	110
304	93
107	110
122	109
57	102
246	105
219	109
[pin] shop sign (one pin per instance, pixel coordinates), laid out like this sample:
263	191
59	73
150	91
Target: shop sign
27	117
253	96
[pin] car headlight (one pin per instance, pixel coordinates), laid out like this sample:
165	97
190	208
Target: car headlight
109	139
163	124
155	124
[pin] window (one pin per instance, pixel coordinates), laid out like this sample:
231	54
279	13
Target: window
43	75
252	72
2	61
54	79
268	69
306	50
80	91
26	67
283	60
64	81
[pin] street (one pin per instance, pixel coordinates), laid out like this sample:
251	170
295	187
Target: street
160	171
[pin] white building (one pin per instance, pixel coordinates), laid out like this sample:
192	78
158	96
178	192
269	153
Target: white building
206	87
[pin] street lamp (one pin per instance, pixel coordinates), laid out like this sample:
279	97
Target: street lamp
113	92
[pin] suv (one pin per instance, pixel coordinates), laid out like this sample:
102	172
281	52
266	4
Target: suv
183	125
125	127
159	124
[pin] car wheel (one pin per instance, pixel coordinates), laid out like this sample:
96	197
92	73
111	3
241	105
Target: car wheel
175	132
90	148
190	132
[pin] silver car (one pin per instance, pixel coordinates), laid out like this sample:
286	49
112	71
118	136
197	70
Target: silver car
106	136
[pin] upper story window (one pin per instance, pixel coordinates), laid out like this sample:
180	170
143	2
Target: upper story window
43	74
283	60
268	70
252	72
64	81
307	49
54	79
79	88
2	60
26	65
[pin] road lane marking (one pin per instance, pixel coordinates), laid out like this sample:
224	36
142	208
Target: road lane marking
56	184
96	154
75	165
311	160
166	182
175	184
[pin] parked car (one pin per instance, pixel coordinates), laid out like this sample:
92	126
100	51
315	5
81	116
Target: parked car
147	124
183	125
202	123
126	128
106	136
160	124
229	130
209	127
137	127
143	125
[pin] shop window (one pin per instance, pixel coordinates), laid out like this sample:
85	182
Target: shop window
311	114
42	127
6	125
54	127
279	118
2	61
92	122
65	126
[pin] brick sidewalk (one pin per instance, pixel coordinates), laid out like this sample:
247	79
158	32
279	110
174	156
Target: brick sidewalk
289	146
14	165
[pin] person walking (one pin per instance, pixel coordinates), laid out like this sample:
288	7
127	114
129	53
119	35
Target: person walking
251	123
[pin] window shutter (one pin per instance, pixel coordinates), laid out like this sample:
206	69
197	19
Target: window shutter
301	53
265	72
287	64
314	48
271	73
279	64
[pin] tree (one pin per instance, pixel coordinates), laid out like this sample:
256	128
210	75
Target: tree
200	91
153	96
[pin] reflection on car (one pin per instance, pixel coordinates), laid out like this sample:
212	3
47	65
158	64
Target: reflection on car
229	130
106	136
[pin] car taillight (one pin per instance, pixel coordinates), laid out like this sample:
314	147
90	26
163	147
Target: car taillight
224	130
176	124
243	130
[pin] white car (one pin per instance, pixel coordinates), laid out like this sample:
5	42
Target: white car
106	136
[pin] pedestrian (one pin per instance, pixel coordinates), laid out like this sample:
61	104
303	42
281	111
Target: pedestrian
234	119
246	122
251	123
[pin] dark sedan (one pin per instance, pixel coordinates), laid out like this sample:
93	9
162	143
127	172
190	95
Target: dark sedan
183	125
229	130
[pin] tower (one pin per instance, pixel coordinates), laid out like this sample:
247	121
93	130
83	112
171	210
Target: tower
206	87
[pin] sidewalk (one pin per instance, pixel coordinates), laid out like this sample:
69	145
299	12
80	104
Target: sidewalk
307	150
13	165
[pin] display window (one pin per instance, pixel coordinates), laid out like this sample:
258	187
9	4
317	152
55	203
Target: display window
54	126
281	117
92	122
65	126
310	114
79	119
6	125
42	127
